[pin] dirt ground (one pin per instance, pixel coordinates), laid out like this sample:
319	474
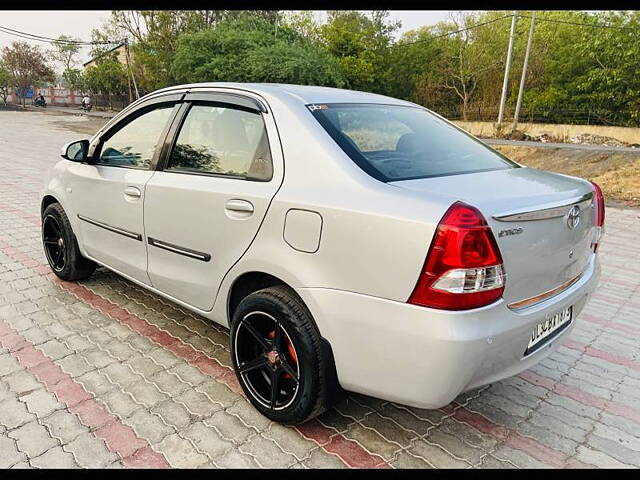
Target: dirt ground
618	174
558	132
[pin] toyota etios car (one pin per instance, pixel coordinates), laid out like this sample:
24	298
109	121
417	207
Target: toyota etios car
350	241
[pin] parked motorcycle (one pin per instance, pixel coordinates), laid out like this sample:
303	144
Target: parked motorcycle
39	102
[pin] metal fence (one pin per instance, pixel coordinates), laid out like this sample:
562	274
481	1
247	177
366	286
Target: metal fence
620	118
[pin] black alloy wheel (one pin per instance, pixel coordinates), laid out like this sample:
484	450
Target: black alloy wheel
54	244
278	357
61	246
267	360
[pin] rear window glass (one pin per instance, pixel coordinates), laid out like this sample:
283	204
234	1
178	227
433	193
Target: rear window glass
393	143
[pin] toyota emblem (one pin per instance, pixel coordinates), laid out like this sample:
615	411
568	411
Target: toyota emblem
573	217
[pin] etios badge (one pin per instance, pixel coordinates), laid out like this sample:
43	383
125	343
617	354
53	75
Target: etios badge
573	217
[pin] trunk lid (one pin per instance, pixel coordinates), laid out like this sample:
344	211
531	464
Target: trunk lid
528	212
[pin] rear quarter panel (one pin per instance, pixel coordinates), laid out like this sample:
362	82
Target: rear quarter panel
375	236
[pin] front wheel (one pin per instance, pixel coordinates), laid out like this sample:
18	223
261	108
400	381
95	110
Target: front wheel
277	356
61	247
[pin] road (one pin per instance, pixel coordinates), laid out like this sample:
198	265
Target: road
104	373
573	146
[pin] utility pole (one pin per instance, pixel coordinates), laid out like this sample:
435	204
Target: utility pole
505	82
126	50
524	71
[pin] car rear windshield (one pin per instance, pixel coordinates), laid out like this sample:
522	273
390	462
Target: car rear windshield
395	142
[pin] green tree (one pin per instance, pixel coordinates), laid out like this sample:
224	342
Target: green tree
27	66
247	50
5	82
74	79
108	78
154	34
360	43
65	52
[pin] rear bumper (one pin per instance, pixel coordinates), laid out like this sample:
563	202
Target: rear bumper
424	357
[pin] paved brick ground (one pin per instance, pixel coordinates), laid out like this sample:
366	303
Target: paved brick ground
103	373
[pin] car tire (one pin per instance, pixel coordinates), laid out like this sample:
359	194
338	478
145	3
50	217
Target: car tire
61	247
270	310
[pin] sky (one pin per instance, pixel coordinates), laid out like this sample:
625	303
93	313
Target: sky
79	23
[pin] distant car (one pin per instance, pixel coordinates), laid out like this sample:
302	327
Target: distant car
350	241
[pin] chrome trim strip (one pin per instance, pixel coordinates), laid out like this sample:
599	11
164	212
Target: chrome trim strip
187	252
550	210
111	228
528	302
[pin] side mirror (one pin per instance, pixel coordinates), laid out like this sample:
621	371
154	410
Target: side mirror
76	151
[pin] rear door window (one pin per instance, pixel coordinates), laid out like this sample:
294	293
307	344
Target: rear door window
393	143
225	141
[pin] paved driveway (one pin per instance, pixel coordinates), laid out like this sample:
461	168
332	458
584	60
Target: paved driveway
103	373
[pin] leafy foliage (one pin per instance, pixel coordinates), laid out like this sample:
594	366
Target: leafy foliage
232	52
5	82
107	77
27	66
576	72
65	52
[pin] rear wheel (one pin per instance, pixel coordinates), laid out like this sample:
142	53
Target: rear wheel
61	247
277	356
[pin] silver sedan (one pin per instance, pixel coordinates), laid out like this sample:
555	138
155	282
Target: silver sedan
349	241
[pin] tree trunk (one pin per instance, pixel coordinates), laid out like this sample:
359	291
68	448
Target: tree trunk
465	105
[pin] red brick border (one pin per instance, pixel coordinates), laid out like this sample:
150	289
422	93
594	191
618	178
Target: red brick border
119	438
350	452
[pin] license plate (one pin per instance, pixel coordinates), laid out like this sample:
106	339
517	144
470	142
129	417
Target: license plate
549	328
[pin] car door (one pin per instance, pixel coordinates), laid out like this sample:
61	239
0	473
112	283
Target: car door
107	194
205	205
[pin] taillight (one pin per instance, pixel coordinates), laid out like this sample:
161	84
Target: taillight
463	268
598	216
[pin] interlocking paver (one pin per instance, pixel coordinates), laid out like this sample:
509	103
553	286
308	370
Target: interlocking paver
54	458
173	413
599	459
404	459
20	382
41	402
317	459
14	413
90	452
64	426
230	427
149	426
208	440
436	455
33	439
235	459
180	452
10	453
268	452
120	403
8	365
579	407
289	440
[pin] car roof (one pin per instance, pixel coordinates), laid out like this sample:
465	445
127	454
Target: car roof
306	94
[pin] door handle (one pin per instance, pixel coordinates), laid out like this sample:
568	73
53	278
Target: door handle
133	192
237	205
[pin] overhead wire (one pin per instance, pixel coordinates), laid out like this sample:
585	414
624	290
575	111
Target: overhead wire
40	38
404	44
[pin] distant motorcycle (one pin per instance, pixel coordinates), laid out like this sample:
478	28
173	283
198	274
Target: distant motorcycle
39	102
86	107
